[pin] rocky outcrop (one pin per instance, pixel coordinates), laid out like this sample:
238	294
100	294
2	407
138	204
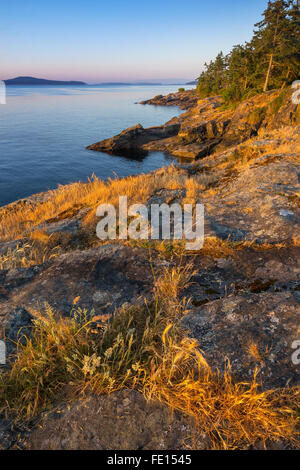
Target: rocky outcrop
205	126
185	100
131	141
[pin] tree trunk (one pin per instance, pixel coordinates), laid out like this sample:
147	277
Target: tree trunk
272	55
268	73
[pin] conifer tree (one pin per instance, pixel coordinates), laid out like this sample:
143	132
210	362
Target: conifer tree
270	60
272	39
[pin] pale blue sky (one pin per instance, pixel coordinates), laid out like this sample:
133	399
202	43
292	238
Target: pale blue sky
116	40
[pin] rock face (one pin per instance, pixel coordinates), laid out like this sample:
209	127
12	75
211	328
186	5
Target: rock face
205	126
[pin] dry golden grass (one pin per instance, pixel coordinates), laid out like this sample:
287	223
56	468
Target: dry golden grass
68	200
195	186
40	236
27	254
296	241
39	247
213	247
254	352
144	348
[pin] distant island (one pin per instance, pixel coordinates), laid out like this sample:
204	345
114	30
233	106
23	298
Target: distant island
40	81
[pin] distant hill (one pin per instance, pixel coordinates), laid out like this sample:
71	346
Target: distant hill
39	81
193	82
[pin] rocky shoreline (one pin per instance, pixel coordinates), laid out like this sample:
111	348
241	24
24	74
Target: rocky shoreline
244	166
206	126
183	99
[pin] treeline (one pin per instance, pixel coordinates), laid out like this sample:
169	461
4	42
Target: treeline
270	60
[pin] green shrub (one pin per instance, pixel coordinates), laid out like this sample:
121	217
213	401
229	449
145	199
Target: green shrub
279	101
257	116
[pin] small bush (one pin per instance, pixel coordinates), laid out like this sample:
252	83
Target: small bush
257	116
279	101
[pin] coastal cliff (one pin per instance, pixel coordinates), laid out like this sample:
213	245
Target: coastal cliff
147	309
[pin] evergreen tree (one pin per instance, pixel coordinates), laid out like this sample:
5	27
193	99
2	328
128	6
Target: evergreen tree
240	71
291	54
272	40
270	60
213	79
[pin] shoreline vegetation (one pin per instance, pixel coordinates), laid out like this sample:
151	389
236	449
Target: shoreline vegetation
189	350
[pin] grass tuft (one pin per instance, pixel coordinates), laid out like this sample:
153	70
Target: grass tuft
27	254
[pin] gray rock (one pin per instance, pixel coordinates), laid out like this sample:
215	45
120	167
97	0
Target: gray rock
231	328
91	424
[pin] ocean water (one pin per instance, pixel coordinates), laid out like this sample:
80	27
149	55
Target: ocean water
44	132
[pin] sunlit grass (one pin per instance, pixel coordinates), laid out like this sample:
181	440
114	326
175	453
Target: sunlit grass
68	200
27	254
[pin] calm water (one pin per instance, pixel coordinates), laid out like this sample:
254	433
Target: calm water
44	132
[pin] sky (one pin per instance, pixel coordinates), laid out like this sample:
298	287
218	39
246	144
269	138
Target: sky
99	41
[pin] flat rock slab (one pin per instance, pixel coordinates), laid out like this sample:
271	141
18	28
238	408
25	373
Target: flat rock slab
234	328
121	421
104	278
260	204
